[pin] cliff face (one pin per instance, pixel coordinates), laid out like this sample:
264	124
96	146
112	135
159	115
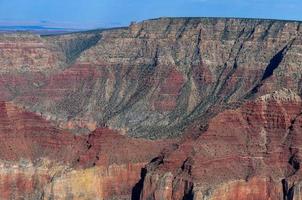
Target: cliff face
155	78
220	99
247	153
41	161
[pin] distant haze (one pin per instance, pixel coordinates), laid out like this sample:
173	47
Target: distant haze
88	14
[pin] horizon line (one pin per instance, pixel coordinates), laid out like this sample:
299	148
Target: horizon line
52	24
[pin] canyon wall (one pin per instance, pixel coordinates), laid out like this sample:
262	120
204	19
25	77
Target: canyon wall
169	108
248	153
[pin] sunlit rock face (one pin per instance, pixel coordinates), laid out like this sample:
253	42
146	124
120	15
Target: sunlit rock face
170	108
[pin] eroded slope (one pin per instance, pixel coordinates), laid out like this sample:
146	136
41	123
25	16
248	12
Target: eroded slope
156	78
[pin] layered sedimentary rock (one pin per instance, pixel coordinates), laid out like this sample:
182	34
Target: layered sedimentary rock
41	161
27	52
155	78
248	153
170	108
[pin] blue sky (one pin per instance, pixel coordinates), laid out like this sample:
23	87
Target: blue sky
108	13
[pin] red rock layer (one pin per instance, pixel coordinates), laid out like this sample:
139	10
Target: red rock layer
35	153
247	153
169	92
25	135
